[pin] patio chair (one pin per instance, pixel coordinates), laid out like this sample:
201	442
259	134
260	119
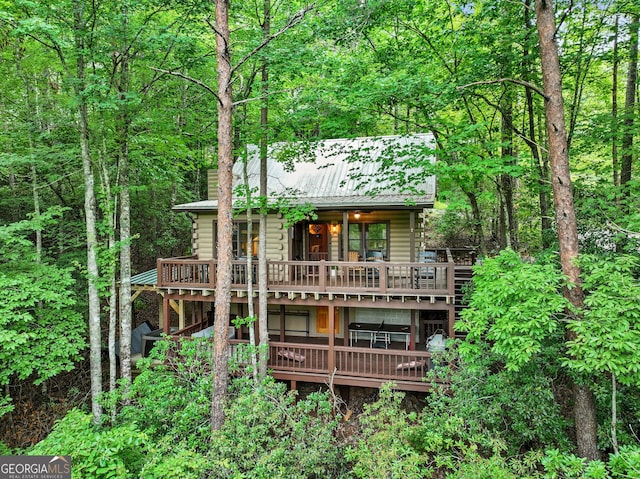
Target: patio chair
374	256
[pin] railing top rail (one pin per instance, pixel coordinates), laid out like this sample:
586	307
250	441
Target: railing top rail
185	261
449	256
189	257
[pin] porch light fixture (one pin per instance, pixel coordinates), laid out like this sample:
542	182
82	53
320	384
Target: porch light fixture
356	215
315	229
335	229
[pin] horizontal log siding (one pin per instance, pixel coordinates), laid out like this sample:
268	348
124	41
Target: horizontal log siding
277	234
400	237
203	243
277	240
204	225
399	232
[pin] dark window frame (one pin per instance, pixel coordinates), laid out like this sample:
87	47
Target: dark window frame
364	240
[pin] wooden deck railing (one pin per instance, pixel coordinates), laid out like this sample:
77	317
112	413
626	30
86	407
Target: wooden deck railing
349	362
316	363
317	276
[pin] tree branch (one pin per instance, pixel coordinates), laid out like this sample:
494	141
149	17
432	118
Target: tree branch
524	83
294	20
262	97
629	233
188	78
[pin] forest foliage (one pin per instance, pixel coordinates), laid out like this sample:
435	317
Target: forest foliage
467	72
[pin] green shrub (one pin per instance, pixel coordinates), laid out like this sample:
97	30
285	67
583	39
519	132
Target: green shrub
97	453
558	465
626	463
168	460
385	448
173	399
267	433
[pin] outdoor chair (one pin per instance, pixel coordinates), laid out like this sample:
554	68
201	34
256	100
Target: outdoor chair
374	256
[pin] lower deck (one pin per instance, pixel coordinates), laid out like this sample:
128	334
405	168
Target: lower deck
364	362
353	366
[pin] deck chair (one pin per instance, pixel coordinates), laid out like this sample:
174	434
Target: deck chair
374	256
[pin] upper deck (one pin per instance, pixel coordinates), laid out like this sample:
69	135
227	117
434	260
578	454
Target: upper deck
433	281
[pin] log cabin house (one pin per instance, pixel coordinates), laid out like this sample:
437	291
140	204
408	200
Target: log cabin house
355	289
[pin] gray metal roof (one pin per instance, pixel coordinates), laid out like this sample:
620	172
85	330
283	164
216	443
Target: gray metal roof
346	173
148	278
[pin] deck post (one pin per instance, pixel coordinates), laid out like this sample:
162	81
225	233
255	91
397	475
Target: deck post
181	314
282	323
212	274
345	322
451	276
452	318
332	336
412	330
322	272
383	277
166	314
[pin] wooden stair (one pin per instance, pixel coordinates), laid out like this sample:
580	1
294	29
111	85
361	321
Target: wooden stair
463	276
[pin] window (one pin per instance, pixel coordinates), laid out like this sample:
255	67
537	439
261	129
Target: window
240	239
376	237
365	237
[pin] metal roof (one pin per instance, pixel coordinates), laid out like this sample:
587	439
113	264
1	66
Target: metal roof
346	173
148	278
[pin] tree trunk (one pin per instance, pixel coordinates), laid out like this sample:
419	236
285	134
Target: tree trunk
95	354
584	408
225	214
614	414
249	252
508	181
263	327
539	161
501	232
113	291
477	222
614	108
629	104
123	129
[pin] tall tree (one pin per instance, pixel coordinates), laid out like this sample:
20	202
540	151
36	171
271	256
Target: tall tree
80	33
584	406
263	327
225	212
629	103
123	126
614	106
